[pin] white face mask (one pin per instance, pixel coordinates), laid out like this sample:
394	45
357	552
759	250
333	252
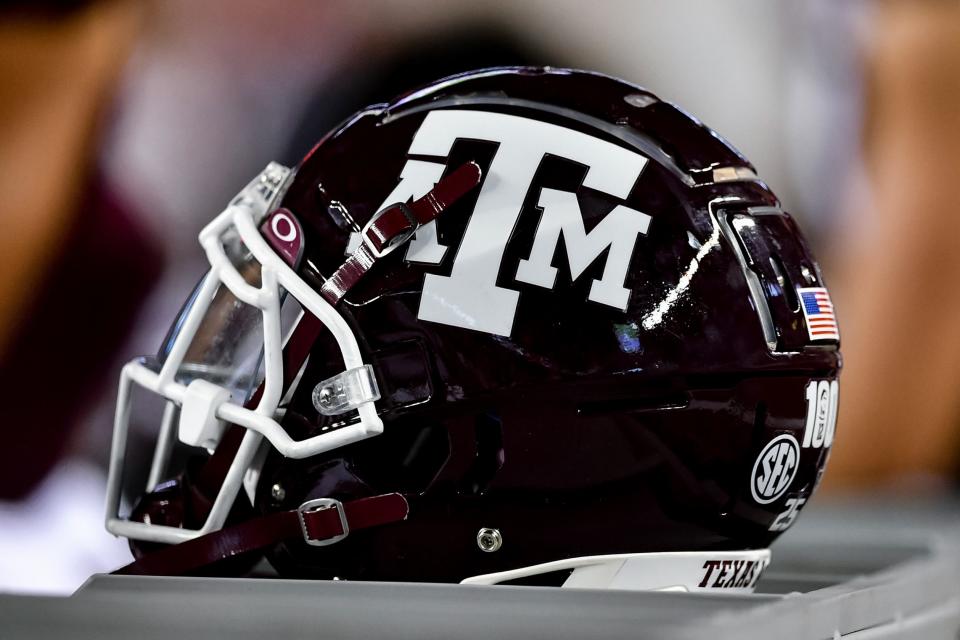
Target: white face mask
226	343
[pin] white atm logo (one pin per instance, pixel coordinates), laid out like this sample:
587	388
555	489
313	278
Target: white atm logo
469	297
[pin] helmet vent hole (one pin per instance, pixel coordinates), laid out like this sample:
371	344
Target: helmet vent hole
786	285
489	453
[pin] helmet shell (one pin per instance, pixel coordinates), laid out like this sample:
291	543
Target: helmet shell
574	423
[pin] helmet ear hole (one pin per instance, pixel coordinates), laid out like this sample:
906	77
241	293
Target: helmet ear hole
427	453
407	457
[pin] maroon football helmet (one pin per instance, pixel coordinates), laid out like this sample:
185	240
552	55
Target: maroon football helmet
522	324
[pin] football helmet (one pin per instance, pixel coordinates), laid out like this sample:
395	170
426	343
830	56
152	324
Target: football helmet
523	324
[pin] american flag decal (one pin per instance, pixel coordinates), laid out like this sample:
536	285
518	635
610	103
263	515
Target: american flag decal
818	312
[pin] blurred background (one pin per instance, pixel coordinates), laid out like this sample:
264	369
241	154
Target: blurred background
125	126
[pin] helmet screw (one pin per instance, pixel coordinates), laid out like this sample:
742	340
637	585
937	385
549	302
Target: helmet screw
489	540
278	493
322	397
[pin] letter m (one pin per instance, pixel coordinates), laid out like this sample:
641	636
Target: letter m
617	231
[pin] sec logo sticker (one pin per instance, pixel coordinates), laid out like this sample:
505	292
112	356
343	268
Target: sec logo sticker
775	468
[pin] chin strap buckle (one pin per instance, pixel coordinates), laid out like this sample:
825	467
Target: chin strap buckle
382	238
315	521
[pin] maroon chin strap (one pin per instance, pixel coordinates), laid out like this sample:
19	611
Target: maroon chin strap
394	225
323	521
318	522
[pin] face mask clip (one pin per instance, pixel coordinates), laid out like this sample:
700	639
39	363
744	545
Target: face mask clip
346	391
199	425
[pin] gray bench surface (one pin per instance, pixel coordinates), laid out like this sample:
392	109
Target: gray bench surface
879	569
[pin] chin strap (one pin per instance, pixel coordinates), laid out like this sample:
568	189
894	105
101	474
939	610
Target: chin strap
319	522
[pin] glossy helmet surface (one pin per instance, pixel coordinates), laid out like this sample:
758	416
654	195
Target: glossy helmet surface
616	344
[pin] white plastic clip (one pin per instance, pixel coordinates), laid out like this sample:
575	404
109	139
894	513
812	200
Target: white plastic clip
346	391
199	425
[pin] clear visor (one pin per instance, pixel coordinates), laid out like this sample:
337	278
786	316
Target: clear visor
228	348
